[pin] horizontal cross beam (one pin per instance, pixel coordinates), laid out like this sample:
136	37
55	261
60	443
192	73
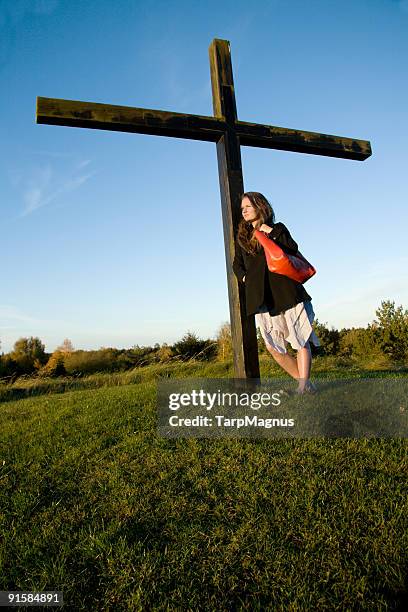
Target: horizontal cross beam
98	116
95	115
286	139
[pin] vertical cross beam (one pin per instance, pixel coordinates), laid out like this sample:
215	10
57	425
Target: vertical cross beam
243	331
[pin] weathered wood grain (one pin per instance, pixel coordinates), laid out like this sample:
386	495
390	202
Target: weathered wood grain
98	116
243	331
286	139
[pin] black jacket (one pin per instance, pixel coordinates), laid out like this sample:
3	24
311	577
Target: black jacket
277	291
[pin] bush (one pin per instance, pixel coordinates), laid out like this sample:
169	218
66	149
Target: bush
363	344
89	362
392	328
29	355
8	367
142	355
55	366
190	347
329	338
164	353
224	342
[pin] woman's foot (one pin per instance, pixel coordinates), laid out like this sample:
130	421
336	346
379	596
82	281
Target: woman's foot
306	387
311	388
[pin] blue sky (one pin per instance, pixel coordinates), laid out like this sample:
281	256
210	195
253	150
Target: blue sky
115	239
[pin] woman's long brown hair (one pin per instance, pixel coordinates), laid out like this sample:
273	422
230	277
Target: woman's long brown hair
245	234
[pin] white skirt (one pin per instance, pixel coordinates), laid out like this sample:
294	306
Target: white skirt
293	325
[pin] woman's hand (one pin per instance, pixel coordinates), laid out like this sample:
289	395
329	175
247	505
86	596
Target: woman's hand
265	228
243	280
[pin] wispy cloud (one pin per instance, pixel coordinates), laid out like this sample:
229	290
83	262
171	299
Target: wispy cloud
45	186
10	314
16	323
38	185
83	163
183	95
186	98
175	67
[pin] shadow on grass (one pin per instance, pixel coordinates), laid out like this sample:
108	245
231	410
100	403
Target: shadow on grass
15	392
36	387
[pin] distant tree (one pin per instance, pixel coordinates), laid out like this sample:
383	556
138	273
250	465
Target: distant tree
191	347
90	362
224	342
142	355
329	338
54	366
164	353
8	367
392	325
124	361
363	344
29	354
66	346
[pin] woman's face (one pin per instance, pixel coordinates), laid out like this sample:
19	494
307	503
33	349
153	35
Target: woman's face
249	212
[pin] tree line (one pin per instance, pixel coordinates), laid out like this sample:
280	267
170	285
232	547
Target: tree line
384	341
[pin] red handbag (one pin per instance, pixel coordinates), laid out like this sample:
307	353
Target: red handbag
295	267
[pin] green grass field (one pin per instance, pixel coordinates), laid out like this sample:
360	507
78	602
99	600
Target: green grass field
94	503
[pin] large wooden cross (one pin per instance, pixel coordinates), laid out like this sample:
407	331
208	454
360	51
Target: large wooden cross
229	134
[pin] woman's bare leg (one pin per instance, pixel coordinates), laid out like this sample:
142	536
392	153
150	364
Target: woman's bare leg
304	359
299	367
304	363
286	361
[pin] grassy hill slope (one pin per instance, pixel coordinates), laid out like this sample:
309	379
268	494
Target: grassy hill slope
94	503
